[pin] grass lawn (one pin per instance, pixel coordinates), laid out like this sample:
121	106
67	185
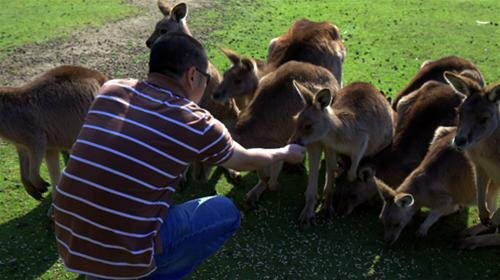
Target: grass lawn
386	42
37	21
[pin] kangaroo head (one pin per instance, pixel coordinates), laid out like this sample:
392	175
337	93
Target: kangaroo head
359	191
313	122
174	20
239	80
397	211
479	114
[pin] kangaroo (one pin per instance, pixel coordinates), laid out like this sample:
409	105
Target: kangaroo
174	20
43	117
419	114
479	136
268	121
318	43
356	122
433	71
241	80
443	182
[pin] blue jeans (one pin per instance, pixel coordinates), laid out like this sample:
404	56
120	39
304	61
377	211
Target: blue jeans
192	232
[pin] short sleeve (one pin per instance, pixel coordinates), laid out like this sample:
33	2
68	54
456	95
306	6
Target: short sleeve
219	145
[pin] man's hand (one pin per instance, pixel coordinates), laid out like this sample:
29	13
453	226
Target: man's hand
294	153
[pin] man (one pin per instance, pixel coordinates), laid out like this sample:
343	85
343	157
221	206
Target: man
111	205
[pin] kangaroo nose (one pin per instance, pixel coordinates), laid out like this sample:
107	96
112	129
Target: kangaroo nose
148	43
298	141
217	95
459	142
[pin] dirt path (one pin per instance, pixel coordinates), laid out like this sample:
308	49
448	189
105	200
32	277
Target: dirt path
114	49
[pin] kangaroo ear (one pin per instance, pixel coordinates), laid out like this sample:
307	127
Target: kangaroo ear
494	93
232	55
385	192
404	200
247	64
304	93
473	75
425	63
366	173
164	8
323	98
441	132
179	12
335	33
457	83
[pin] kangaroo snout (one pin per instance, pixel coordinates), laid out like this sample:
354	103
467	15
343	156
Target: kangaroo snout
218	96
297	141
459	142
149	43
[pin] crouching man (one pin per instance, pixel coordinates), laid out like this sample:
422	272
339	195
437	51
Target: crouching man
112	208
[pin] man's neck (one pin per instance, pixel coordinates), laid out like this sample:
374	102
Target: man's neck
166	82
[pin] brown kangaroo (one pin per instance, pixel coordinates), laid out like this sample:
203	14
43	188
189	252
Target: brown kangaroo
43	118
241	80
174	20
433	71
479	136
443	182
356	122
419	114
306	41
268	121
318	43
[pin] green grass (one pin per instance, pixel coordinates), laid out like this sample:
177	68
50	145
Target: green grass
386	42
37	21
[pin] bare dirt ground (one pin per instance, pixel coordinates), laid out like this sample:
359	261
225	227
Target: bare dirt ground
113	49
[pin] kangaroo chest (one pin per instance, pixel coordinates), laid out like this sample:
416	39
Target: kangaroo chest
486	155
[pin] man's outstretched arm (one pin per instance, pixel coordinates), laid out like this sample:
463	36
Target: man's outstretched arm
251	159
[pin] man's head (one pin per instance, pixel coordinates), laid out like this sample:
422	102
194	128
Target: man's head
182	58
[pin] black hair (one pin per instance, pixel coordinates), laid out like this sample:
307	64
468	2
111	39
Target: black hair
175	53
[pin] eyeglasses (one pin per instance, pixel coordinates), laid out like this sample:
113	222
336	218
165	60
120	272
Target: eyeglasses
205	74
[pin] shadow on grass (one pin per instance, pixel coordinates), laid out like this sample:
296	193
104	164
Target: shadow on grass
28	245
269	244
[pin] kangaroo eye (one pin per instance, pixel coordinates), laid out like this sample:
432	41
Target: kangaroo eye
163	31
307	126
237	81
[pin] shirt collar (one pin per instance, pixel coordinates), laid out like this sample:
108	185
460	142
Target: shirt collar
167	83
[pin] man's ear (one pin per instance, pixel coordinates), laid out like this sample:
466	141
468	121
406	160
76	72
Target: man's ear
190	77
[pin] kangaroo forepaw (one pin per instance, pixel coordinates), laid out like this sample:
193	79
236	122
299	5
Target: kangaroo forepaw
41	186
328	210
306	220
468	243
251	200
234	175
32	191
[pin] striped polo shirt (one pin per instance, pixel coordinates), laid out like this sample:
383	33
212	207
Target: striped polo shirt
115	192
